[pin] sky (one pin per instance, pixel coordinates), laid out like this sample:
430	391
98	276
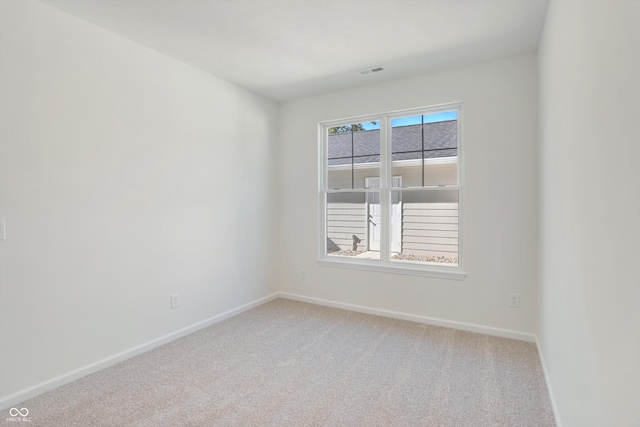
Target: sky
414	120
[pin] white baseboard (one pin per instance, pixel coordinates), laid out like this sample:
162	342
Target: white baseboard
33	391
556	414
470	327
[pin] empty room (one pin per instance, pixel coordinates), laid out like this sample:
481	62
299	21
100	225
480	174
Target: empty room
320	212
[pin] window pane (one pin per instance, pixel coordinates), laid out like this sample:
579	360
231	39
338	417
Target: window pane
349	224
424	149
353	155
424	226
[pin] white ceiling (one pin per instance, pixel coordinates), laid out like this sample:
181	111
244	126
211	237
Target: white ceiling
286	49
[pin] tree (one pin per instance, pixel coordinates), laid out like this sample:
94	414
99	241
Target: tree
348	128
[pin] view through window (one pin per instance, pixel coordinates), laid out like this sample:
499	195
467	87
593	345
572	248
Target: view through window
393	196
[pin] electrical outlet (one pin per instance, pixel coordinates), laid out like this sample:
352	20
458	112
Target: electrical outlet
303	275
175	301
514	300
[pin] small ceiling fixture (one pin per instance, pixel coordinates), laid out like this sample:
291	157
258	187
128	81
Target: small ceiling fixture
371	70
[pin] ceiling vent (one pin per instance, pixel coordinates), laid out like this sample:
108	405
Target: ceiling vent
371	70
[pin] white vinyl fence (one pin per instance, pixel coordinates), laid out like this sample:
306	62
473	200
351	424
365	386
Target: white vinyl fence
428	229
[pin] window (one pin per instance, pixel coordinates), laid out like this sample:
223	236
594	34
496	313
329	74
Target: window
390	192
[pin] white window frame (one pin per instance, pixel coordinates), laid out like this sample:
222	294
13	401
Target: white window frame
384	264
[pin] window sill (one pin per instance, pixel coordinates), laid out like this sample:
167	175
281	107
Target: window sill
394	268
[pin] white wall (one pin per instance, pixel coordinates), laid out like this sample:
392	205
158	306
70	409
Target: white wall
126	177
590	210
500	205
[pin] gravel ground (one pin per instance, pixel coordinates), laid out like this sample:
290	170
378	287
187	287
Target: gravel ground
438	259
346	253
403	257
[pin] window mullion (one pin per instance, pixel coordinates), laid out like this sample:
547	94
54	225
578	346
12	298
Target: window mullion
323	155
386	182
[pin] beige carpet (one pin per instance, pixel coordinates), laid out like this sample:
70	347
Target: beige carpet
288	363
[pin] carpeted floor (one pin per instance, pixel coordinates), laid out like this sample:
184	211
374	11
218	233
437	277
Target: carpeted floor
289	363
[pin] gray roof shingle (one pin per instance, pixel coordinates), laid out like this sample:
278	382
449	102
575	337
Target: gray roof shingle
440	140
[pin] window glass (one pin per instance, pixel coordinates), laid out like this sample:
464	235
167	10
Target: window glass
353	154
347	218
428	226
391	201
424	149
